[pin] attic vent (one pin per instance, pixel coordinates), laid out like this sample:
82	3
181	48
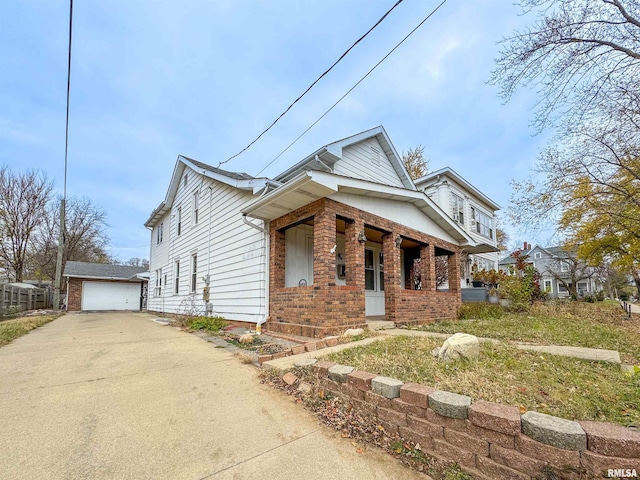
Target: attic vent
375	156
185	179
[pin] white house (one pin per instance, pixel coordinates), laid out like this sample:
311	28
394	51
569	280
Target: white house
315	250
472	210
558	269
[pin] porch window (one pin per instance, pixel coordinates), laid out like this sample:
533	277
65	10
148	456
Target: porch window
369	270
483	223
381	271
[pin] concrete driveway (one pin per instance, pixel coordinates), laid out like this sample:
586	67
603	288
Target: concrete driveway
117	396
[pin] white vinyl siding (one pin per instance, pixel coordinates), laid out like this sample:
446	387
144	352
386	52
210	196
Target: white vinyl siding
366	160
399	212
232	253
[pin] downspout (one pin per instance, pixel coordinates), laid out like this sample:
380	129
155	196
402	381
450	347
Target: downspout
266	240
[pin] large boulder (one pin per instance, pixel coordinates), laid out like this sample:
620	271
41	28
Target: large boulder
459	345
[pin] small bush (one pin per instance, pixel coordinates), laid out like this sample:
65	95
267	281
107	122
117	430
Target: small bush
210	324
480	310
600	295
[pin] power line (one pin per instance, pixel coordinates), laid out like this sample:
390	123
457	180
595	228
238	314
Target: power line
352	88
312	85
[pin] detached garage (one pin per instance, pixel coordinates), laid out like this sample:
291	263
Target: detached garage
96	286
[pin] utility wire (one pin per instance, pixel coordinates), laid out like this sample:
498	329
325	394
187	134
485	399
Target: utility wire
352	88
66	133
312	85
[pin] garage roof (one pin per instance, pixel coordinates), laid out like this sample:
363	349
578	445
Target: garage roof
102	271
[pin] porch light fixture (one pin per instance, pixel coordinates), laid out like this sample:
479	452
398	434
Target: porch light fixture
362	237
398	241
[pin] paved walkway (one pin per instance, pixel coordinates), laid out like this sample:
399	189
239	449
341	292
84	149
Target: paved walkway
117	396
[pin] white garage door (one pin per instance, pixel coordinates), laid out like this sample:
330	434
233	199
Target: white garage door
110	296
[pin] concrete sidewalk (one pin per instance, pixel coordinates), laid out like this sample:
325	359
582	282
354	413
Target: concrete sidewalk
117	396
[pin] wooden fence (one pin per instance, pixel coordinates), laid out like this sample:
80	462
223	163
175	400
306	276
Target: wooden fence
14	299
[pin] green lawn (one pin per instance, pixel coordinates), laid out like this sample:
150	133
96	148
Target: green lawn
12	329
561	386
576	324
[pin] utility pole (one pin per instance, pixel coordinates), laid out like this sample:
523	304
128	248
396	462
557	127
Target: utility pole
61	235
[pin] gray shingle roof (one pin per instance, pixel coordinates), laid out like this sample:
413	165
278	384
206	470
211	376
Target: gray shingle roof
101	271
226	173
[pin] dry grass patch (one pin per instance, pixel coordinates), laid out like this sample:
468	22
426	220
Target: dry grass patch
12	329
576	324
566	387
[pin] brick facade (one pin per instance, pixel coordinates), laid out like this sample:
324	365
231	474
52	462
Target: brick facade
325	308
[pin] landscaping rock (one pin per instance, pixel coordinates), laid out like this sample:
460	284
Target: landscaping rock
385	386
449	404
305	388
459	345
554	431
338	373
353	332
246	338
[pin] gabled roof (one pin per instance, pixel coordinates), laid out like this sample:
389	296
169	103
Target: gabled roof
309	186
243	181
450	172
324	158
102	271
554	252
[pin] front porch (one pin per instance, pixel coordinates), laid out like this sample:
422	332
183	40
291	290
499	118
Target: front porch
333	267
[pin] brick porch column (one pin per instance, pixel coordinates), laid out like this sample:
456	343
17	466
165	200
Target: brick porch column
354	254
428	267
454	272
392	276
324	238
277	257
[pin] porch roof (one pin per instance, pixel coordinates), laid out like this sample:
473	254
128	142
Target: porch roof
313	185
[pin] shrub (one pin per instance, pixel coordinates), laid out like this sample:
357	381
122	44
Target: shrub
210	324
600	295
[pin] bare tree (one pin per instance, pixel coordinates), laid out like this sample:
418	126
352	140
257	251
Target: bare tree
581	55
568	269
23	202
137	262
85	236
415	163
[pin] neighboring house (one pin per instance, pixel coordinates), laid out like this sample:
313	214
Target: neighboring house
558	270
97	286
472	210
313	251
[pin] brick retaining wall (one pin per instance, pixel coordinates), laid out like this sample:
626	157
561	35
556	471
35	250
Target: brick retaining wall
486	439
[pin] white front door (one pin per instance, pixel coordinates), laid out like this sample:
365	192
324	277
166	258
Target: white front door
374	281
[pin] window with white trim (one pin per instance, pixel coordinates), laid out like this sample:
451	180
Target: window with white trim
176	277
158	290
537	255
159	229
483	223
564	266
548	286
196	206
194	272
179	217
457	207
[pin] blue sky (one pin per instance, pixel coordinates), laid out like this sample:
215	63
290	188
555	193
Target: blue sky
151	80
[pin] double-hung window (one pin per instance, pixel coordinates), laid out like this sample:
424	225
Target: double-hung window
194	271
176	279
196	207
457	205
483	223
